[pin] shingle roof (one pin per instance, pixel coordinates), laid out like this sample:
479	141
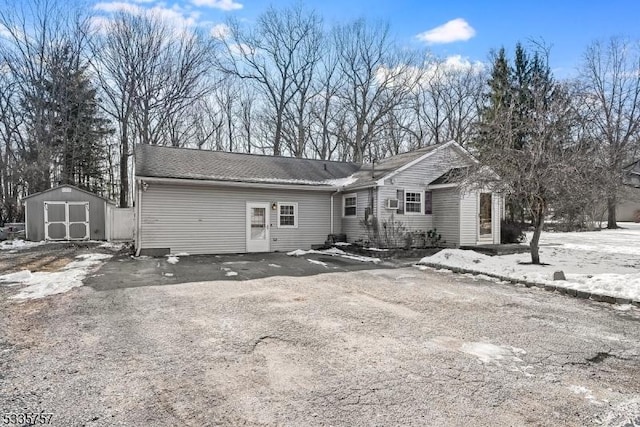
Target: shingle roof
69	186
170	162
184	163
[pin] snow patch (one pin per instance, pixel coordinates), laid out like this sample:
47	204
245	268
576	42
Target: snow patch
491	353
588	394
42	284
231	273
18	244
112	246
313	261
335	252
275	265
603	262
172	259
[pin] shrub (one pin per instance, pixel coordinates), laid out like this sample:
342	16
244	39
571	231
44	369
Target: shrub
511	232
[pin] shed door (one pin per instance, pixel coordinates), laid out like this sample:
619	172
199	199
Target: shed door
66	220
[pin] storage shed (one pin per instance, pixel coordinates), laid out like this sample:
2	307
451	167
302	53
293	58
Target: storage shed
66	212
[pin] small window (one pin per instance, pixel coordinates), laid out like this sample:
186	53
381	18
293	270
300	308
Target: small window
428	209
287	215
413	202
350	202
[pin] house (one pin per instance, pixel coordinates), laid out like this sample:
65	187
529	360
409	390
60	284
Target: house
66	212
208	202
628	208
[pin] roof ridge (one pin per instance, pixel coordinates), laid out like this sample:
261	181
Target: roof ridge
271	156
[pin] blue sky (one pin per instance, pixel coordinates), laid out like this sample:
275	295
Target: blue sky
455	27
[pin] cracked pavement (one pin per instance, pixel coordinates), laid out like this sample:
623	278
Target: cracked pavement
375	347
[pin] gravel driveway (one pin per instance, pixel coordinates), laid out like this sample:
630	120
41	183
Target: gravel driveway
375	347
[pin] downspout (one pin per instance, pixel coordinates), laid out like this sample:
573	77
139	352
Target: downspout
332	209
137	200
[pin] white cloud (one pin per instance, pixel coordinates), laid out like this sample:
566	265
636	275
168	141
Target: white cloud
218	4
453	31
220	31
99	24
174	16
458	62
118	6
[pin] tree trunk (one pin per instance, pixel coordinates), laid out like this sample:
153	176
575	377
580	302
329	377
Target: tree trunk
278	135
124	171
535	249
538	222
611	217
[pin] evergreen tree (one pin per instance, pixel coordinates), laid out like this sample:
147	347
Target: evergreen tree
525	138
70	129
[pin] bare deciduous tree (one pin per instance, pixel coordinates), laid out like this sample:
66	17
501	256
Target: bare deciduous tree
611	89
377	77
278	54
150	74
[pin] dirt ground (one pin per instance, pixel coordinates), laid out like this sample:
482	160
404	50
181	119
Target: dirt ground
356	348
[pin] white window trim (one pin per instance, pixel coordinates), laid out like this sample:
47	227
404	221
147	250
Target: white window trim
345	197
414	190
295	214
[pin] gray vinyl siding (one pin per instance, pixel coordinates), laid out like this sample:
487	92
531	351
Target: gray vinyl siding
417	177
212	220
352	225
446	215
34	221
468	218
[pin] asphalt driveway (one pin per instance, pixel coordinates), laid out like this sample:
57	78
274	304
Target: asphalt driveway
125	271
360	348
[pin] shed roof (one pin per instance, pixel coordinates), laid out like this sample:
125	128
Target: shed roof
186	163
68	186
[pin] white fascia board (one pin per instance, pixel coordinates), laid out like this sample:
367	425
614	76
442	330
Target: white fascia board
438	186
217	183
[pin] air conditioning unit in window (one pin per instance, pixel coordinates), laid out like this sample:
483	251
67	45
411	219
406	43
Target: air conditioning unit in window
392	203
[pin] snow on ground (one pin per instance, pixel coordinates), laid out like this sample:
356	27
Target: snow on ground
313	261
18	244
172	259
112	246
41	284
231	273
275	265
603	262
335	252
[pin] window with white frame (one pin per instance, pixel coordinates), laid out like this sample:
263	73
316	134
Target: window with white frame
350	203
412	202
287	215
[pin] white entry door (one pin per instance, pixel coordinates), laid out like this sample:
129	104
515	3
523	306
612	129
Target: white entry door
257	227
66	220
484	217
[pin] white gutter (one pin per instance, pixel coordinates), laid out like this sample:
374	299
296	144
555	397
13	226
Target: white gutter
206	182
437	186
